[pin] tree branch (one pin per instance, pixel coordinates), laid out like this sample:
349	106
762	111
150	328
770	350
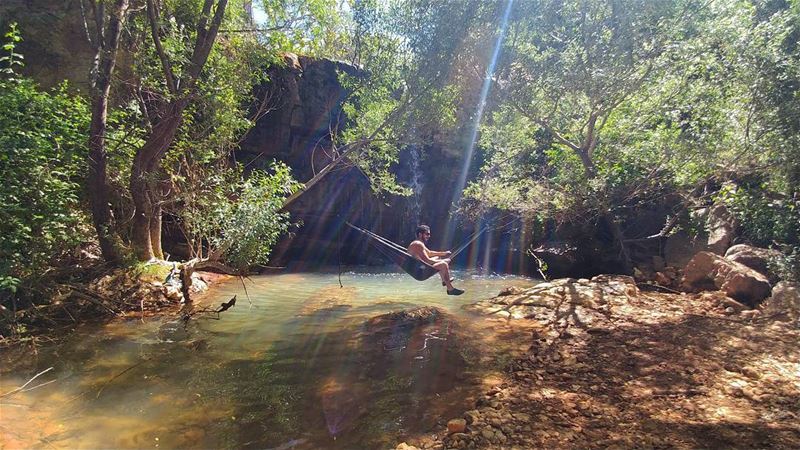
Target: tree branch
205	40
544	124
152	16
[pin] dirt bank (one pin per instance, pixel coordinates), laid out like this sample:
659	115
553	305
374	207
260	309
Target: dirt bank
610	366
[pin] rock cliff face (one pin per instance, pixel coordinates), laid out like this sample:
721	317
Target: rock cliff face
305	99
54	42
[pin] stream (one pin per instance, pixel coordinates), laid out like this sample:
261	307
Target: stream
294	366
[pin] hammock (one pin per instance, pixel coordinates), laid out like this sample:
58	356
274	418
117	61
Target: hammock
398	254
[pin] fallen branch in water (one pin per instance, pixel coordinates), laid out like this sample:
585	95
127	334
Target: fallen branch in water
100	391
245	291
22	388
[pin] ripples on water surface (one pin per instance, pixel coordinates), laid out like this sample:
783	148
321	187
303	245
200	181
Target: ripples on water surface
293	369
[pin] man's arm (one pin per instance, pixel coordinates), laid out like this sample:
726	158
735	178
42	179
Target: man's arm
432	254
419	251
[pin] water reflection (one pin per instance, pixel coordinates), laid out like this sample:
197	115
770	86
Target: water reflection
299	367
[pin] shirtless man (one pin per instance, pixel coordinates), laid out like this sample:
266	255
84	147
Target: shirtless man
438	260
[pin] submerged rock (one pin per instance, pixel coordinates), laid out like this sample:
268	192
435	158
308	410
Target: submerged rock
408	318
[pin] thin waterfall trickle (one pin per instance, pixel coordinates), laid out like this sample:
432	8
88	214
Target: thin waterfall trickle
415	183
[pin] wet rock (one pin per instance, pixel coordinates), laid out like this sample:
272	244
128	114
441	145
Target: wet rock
456	426
511	290
707	271
404	446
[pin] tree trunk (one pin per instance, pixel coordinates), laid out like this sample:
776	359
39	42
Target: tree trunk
146	234
619	237
107	43
584	152
98	186
155	232
140	235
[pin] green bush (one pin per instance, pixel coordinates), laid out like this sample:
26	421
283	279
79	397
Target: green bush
241	217
765	218
768	219
42	161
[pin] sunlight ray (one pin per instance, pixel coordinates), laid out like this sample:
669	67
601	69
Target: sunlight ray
484	94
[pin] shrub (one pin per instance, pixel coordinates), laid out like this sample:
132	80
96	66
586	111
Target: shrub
43	159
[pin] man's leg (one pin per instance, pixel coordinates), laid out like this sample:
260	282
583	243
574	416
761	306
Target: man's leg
444	272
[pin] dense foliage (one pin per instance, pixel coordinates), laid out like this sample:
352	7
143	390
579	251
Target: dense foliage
606	109
241	219
598	110
42	164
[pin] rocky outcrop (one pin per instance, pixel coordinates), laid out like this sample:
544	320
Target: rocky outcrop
785	300
707	271
755	258
720	229
54	41
604	360
152	286
565	295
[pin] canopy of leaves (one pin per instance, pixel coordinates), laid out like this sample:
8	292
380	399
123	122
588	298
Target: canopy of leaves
613	104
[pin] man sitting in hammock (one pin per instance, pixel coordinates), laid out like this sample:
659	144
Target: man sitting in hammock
437	260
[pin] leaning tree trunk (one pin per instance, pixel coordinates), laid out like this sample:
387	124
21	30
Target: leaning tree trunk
146	234
142	185
106	45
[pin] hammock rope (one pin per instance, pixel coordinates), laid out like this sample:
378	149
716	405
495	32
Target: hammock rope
398	254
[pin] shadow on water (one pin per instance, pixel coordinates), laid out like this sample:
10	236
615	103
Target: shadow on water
350	388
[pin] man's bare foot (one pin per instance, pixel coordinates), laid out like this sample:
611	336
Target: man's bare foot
454	291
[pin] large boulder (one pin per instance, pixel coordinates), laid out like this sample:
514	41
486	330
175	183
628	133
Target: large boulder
707	271
585	299
785	300
720	229
755	258
680	248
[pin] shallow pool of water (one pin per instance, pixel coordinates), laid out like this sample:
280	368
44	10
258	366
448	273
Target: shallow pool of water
293	366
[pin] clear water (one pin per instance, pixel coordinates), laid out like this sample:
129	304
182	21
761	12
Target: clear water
296	366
